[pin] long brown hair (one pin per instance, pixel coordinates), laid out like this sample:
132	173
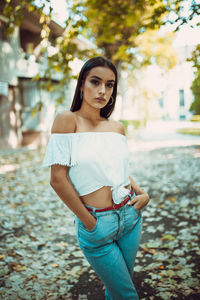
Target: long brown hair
97	61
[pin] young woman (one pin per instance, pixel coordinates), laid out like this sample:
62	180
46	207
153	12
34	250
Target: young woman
89	163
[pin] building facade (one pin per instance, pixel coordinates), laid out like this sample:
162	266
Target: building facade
175	93
152	93
20	62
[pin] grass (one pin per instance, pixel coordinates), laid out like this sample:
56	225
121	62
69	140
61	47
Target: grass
192	131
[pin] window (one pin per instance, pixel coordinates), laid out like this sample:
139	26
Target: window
161	100
182	117
181	98
30	94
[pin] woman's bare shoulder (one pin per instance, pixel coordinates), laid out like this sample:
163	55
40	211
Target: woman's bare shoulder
64	122
118	127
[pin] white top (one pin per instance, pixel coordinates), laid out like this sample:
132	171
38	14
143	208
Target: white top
96	159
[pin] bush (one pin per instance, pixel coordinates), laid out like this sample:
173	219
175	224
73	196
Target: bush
192	131
195	118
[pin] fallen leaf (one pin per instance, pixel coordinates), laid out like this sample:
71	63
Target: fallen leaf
148	250
19	268
161	267
172	199
54	265
62	244
168	237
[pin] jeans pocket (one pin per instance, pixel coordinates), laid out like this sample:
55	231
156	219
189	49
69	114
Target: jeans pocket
137	210
104	230
83	229
131	216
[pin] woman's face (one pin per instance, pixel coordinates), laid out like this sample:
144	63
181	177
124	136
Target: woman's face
98	87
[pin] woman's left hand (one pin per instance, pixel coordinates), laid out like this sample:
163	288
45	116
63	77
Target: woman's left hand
139	201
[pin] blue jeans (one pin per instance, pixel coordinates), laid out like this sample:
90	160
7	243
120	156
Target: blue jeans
111	247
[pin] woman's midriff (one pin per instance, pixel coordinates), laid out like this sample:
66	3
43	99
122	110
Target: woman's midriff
100	198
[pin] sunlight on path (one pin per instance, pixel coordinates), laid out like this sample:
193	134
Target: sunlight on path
159	134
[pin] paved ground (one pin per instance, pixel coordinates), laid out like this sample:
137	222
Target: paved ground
39	256
159	134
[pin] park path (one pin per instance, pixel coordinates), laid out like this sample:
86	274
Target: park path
39	256
159	134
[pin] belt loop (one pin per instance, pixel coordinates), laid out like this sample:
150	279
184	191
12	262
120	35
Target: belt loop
94	210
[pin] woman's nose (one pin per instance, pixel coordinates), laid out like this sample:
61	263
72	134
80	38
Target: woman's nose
102	89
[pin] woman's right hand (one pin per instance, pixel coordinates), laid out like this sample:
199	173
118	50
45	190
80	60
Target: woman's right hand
91	224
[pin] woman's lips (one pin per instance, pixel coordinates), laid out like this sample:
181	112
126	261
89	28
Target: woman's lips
101	99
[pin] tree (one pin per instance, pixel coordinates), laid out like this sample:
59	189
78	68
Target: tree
127	32
195	59
114	25
184	12
195	106
124	31
188	12
13	12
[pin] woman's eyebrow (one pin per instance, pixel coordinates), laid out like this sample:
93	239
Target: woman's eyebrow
96	77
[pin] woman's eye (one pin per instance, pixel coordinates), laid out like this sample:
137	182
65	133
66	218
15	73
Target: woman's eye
110	85
95	82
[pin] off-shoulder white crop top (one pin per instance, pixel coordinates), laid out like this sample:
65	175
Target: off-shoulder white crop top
96	159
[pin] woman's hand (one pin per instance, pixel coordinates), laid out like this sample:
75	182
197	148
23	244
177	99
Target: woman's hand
91	223
139	201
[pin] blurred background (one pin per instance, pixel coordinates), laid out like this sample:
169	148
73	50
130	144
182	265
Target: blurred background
154	44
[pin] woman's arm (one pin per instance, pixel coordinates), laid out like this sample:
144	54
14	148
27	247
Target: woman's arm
61	184
60	181
141	199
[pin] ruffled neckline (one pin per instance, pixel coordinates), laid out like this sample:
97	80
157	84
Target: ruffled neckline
90	133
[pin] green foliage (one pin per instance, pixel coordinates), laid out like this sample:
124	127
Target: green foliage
195	87
184	16
155	47
116	28
14	13
124	31
36	108
195	118
134	123
195	106
192	131
195	58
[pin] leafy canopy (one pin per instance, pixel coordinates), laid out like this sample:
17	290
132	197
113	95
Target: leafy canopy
114	25
124	31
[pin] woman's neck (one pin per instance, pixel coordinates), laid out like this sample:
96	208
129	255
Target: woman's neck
90	114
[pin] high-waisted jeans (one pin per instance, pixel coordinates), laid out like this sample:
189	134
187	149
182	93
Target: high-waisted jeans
111	247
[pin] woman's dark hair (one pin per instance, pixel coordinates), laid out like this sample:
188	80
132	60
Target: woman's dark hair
97	61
